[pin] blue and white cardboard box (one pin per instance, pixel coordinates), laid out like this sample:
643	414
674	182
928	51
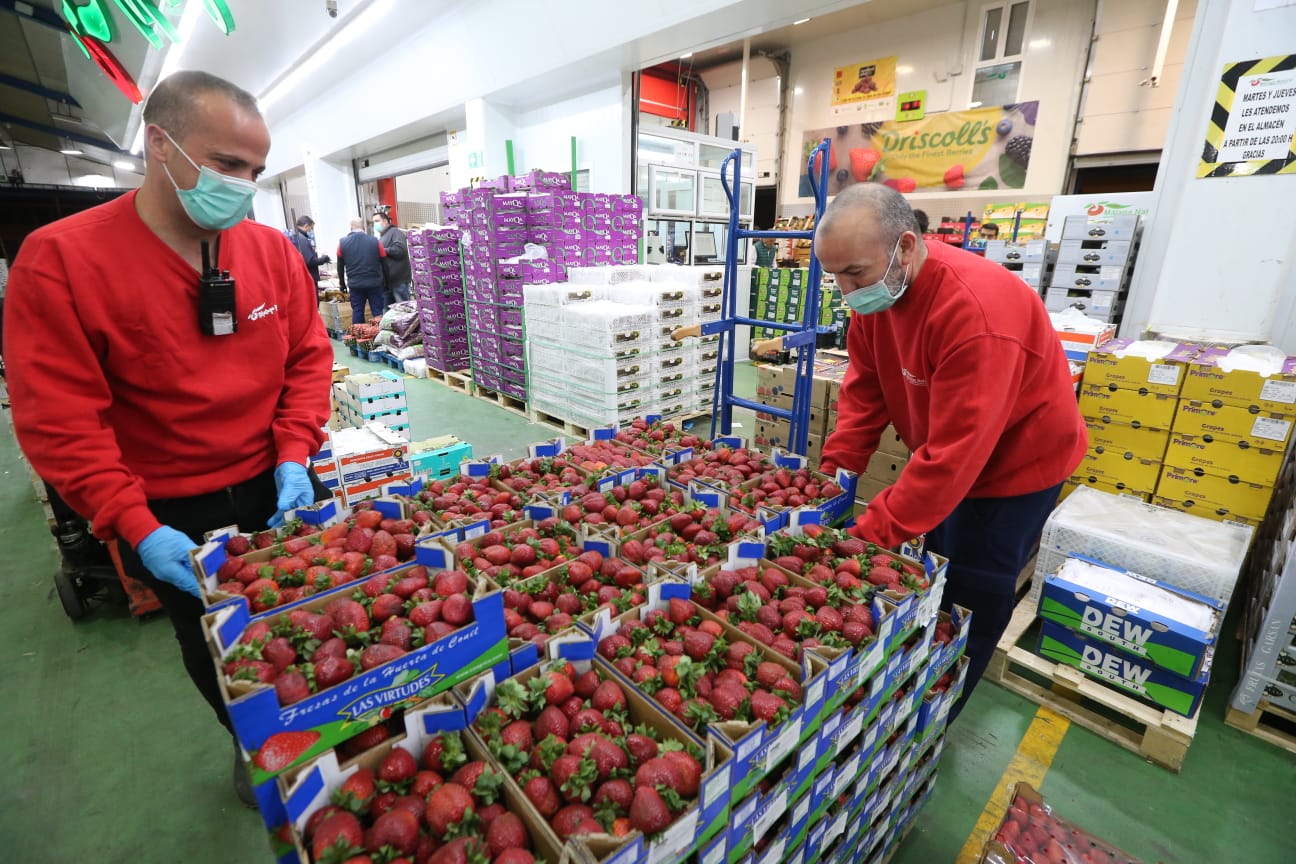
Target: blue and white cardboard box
1127	672
1170	627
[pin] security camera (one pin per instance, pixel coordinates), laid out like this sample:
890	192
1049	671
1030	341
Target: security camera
330	6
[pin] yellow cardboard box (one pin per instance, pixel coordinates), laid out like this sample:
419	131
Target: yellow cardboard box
885	468
1116	467
1110	363
1206	382
1142	441
1218	514
1224	458
1075	483
1105	403
1264	429
1245	499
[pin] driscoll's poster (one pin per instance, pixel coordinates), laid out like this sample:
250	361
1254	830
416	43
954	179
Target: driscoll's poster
982	148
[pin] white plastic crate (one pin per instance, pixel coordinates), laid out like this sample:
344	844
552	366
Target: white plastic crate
1188	552
678	314
609	275
599	374
668	294
563	293
544	320
599	395
701	275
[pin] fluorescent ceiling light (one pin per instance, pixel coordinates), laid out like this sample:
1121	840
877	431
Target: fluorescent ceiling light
193	10
71	151
686	56
1040	44
93	180
974	104
797	91
802	21
5	147
904	70
124	165
356	24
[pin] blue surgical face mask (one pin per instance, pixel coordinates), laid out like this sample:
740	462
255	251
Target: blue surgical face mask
878	297
311	236
217	201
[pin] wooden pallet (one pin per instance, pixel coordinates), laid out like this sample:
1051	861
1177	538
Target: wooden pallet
1159	736
1268	723
503	400
567	427
457	379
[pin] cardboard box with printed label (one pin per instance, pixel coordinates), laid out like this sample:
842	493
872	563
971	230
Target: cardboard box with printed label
885	468
1141	441
1170	627
1206	511
1115	363
1116	467
1265	429
1102	485
1106	403
890	442
1207	382
1224	458
1246	499
1127	672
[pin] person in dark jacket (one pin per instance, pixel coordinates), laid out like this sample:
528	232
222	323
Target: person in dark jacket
396	266
359	259
304	239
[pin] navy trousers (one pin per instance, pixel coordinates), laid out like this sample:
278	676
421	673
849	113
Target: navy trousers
359	294
988	541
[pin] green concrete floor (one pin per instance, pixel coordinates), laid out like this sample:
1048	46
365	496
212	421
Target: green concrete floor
111	756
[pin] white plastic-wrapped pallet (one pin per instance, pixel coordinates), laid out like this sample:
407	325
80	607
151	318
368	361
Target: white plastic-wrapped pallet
615	275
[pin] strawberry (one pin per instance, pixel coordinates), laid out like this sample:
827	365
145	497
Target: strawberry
543	795
397	828
567	820
291	687
357	792
457	610
659	772
512	856
552	721
397	766
507	832
766	706
375	655
280	653
608	697
330	671
386	606
641	747
648	812
450	582
282	749
338	833
350	614
329	648
461	850
689	769
315	819
238	545
447	805
424	783
557	689
605	754
396	631
698	645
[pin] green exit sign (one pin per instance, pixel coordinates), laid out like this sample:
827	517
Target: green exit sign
909	106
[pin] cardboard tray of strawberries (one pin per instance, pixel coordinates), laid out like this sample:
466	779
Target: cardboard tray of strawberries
299	679
609	773
431	790
697	537
619	504
714	678
726	466
602	454
660	438
793	486
1032	833
231	568
456	507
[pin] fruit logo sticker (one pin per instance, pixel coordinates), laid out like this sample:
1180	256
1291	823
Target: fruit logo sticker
983	148
864	82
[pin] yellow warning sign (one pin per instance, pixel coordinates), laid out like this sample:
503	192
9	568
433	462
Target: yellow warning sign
1252	129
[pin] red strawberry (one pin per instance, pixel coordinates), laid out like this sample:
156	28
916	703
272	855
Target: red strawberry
690	771
397	631
239	544
517	734
552	721
374	656
641	747
341	830
385	606
397	828
648	812
607	756
330	671
397	766
619	792
679	611
447	805
567	820
357	792
280	653
609	696
450	582
282	749
766	706
512	856
507	832
424	783
659	772
350	614
559	689
540	791
329	648
314	820
457	610
291	687
698	645
368	739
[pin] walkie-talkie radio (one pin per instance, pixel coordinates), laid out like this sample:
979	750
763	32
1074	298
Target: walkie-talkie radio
216	312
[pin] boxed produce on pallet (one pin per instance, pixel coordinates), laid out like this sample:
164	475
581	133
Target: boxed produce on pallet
1172	628
1142	366
283	717
1128	672
1032	832
1248	376
672	805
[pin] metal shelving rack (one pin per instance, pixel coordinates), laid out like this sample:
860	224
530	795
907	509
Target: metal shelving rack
801	336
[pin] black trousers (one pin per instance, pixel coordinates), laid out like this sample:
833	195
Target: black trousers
249	505
988	541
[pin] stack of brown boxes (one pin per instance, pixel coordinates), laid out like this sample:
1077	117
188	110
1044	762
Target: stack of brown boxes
1128	402
1230	432
885	465
774	387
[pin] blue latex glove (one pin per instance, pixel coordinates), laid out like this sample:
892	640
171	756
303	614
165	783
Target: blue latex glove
295	490
165	553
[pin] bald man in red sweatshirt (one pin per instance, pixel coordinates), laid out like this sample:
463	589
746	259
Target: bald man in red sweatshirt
156	408
960	356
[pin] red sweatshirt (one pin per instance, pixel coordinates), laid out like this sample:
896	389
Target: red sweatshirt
118	397
969	370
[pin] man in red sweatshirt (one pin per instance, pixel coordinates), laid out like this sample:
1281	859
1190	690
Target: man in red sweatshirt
959	354
156	407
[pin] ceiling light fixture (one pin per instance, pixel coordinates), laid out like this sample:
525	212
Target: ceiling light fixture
71	151
124	165
802	21
797	91
350	29
687	55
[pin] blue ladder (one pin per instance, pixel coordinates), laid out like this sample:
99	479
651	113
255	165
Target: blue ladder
801	336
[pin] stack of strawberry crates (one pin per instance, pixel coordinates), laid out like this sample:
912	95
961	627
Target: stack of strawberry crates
836	775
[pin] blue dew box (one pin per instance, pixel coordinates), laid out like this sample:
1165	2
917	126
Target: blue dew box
1170	627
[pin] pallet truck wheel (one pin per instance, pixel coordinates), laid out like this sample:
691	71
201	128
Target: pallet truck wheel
73	606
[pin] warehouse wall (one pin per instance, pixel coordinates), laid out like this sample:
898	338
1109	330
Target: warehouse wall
936	51
1118	113
724	91
599	120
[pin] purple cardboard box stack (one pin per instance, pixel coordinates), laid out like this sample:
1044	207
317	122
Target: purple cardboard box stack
439	291
611	226
494	220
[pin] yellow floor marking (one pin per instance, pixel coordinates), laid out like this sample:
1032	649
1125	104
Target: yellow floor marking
1030	763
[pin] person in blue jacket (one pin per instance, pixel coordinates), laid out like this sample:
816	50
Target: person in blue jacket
304	239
